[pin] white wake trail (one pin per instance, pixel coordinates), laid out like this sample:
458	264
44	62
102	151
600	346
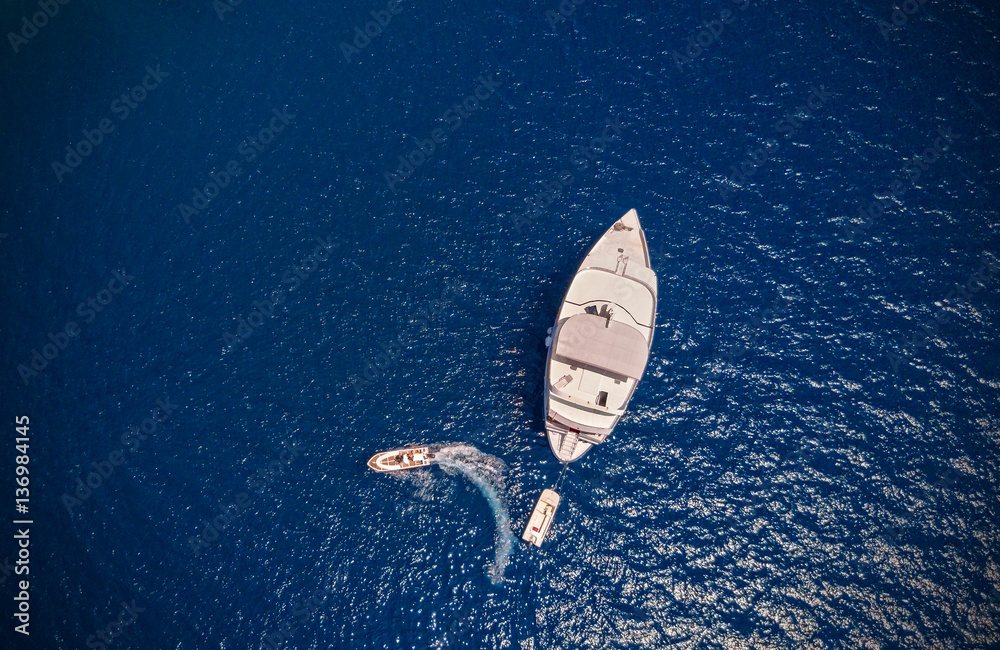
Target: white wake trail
486	472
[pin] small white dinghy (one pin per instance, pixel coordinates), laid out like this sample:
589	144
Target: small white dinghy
400	459
541	518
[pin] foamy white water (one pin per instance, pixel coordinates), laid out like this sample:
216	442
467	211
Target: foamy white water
486	472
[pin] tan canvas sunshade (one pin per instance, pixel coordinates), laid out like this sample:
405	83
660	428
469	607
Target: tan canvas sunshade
616	348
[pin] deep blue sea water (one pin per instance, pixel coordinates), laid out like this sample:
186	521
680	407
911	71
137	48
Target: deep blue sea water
810	462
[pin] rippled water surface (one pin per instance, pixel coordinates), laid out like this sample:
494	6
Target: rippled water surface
811	460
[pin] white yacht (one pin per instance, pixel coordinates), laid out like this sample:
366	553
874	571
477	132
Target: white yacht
599	345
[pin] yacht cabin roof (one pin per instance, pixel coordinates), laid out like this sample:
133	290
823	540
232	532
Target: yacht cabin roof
598	343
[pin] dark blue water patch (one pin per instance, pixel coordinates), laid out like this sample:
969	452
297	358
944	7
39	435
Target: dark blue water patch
776	481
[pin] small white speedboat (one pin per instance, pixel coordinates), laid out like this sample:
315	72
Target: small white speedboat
400	459
541	518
